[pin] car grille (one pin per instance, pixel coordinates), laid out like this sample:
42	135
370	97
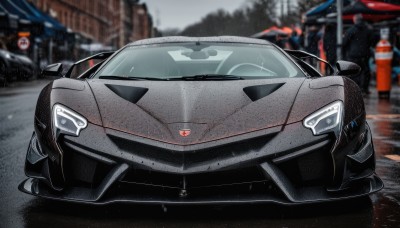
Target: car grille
310	169
188	159
212	179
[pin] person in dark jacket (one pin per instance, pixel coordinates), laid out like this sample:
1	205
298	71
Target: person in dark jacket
330	42
313	37
356	45
311	46
294	41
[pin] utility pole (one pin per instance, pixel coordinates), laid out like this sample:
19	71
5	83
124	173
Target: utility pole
50	54
339	8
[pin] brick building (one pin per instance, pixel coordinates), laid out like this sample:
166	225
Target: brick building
112	22
142	21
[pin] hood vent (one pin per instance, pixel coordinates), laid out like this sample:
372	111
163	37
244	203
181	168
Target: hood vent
129	93
259	91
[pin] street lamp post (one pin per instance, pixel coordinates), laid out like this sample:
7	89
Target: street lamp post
339	7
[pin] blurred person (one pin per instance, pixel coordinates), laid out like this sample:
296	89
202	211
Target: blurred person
395	64
280	41
313	37
294	41
330	43
357	41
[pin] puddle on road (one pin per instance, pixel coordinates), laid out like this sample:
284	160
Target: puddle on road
393	157
384	121
384	116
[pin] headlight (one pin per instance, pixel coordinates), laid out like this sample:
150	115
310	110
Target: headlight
326	119
67	121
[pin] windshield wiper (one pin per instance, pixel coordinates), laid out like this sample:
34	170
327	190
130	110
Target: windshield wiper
132	78
189	78
209	77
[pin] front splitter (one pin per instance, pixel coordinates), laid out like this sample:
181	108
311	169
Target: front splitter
34	187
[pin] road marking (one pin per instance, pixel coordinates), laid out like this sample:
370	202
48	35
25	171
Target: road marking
393	157
383	116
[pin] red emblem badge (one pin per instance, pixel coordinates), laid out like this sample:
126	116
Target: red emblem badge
184	132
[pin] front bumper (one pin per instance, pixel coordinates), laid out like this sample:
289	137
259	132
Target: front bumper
286	167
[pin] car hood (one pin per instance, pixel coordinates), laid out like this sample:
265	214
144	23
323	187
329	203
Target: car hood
211	110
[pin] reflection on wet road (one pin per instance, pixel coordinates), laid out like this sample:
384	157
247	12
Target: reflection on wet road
383	117
21	210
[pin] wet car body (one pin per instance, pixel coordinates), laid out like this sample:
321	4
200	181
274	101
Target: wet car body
201	141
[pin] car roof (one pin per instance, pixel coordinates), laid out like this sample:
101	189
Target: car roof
181	39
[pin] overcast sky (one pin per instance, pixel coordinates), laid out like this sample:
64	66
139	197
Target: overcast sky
180	13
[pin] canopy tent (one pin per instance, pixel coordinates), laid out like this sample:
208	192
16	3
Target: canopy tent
372	11
52	27
276	31
59	31
27	22
321	11
12	8
289	30
270	32
42	24
56	25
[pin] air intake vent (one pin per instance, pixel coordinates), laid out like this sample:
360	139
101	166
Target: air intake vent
259	91
129	93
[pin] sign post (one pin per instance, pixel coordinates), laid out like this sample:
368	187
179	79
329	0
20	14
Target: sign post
23	43
339	8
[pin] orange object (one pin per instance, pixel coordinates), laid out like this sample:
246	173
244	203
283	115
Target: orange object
322	56
284	30
24	34
383	59
91	63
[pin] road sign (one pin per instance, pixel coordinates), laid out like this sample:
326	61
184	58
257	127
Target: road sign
25	34
23	43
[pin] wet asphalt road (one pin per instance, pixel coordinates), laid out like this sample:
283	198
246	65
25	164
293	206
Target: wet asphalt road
17	105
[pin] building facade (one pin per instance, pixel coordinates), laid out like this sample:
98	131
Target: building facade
142	21
112	23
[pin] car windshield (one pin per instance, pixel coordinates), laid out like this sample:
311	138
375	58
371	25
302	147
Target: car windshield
180	60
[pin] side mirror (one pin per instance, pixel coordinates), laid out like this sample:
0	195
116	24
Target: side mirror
52	70
345	68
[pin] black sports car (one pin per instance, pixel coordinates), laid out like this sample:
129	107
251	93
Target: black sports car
182	120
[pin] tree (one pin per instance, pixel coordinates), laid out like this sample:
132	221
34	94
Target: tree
170	32
305	5
255	17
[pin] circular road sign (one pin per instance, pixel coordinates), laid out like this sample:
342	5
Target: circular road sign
23	43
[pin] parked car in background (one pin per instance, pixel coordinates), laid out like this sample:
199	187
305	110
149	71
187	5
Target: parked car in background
8	65
27	68
16	66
